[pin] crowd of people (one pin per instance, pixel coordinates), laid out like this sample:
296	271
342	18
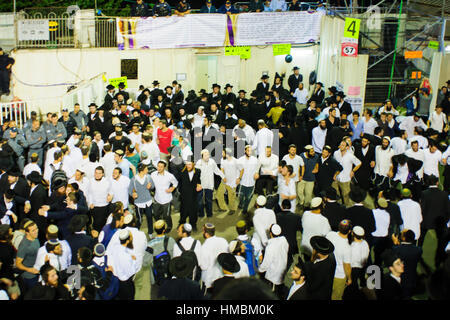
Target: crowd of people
361	189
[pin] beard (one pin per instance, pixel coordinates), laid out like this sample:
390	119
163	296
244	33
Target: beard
383	147
130	245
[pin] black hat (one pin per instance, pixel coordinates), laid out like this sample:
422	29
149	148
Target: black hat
78	222
58	183
320	83
92	105
357	194
202	91
265	76
228	262
215	85
242	91
295	68
34	177
155	82
322	245
389	256
33	113
228	86
331	193
341	94
333	89
181	267
366	136
14	173
168	87
121	85
109	87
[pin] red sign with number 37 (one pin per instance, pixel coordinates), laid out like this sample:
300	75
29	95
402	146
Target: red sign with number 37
349	49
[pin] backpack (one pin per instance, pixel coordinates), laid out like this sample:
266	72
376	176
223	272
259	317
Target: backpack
57	175
190	254
111	283
161	264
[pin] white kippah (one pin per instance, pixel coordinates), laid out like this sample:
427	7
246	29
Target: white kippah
187	227
261	200
124	234
275	229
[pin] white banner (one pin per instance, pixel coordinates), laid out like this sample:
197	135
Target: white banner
277	27
33	30
194	30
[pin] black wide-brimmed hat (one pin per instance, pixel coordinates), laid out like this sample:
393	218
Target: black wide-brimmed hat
357	194
228	262
322	245
110	87
333	89
181	267
34	177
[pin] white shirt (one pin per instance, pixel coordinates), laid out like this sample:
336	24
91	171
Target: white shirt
398	145
446	154
383	160
262	220
409	124
419	155
211	248
393	111
186	243
318	139
402	173
135	138
360	253
119	257
248	132
108	163
61	262
263	139
369	126
243	272
207	171
30	168
98	192
431	163
269	165
295	162
347	161
411	215
438	121
301	95
251	166
119	190
162	183
314	224
139	244
275	260
421	140
231	170
342	253
288	189
382	220
152	151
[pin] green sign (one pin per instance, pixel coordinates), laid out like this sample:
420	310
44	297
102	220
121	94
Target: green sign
352	28
243	51
281	49
115	81
433	45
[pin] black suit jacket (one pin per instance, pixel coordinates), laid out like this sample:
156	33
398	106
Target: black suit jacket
318	96
364	172
346	108
77	241
290	224
390	289
38	198
261	89
320	277
188	192
335	213
434	203
293	82
363	217
300	294
327	169
180	289
219	284
410	254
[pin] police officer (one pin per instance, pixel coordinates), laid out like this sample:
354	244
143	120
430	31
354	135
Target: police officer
17	142
67	121
80	117
55	130
162	9
36	139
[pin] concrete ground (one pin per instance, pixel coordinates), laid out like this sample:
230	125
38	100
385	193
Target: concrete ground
225	227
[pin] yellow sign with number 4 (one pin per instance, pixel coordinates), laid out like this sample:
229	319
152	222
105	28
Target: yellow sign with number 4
352	28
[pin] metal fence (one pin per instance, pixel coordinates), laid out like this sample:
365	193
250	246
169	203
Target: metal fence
15	111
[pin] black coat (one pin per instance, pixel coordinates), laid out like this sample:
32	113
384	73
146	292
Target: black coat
410	254
188	192
218	117
219	284
293	82
261	89
396	217
334	136
346	108
327	170
320	276
318	96
38	198
300	294
63	219
125	95
390	289
335	213
364	172
180	289
244	112
363	217
290	224
434	203
77	241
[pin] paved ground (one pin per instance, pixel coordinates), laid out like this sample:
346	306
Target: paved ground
225	227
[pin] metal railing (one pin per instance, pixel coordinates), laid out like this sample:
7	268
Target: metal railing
16	111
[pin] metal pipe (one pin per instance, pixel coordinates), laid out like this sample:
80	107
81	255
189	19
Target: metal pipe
395	49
